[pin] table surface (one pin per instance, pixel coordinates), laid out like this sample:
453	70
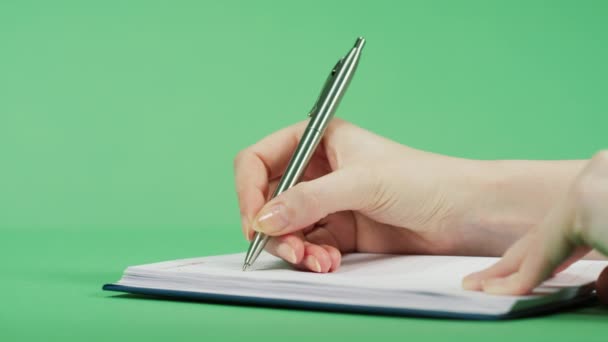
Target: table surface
119	121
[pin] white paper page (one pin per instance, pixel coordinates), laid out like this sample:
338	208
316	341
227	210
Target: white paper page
426	283
376	271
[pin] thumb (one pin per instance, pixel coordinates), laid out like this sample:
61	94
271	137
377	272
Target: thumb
308	202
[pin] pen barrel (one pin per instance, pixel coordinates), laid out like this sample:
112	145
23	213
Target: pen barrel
299	161
295	169
320	115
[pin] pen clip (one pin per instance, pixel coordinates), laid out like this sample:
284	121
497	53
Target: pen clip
326	86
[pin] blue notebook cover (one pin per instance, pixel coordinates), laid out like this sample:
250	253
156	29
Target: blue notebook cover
373	310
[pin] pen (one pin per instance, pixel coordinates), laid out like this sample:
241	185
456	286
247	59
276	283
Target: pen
320	116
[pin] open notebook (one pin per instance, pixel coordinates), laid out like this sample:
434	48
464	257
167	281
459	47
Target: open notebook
374	283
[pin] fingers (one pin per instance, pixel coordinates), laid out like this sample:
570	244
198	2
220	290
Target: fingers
309	202
537	266
265	161
288	247
324	238
320	259
570	230
508	264
305	255
578	253
334	255
316	258
552	249
530	261
256	165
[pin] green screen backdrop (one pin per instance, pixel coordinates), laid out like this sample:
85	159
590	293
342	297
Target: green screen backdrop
119	122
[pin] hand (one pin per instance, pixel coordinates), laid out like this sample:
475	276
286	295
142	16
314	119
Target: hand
361	192
572	228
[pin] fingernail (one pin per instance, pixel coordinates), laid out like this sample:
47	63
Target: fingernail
273	220
312	263
285	251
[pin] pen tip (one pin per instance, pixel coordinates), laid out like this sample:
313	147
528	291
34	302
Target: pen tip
359	43
245	267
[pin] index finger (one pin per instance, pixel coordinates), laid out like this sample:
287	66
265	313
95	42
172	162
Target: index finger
256	165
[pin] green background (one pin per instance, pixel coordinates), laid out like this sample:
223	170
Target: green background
119	121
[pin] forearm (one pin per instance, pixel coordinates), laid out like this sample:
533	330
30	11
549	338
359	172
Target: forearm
512	196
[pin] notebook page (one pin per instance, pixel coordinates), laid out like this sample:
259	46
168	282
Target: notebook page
424	283
375	271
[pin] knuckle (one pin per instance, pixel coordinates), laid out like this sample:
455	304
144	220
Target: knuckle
595	171
590	193
590	189
524	286
583	189
338	122
599	163
601	157
240	156
592	184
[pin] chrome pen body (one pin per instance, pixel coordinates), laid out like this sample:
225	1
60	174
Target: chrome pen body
321	114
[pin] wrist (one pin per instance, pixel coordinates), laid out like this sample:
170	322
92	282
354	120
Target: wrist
506	198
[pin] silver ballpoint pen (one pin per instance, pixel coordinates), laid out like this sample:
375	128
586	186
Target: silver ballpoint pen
320	116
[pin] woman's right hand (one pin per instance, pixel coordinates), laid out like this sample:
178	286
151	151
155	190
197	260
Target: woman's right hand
361	192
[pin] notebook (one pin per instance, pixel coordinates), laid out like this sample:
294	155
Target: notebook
369	283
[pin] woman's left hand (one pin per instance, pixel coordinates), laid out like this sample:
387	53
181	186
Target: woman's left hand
578	224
